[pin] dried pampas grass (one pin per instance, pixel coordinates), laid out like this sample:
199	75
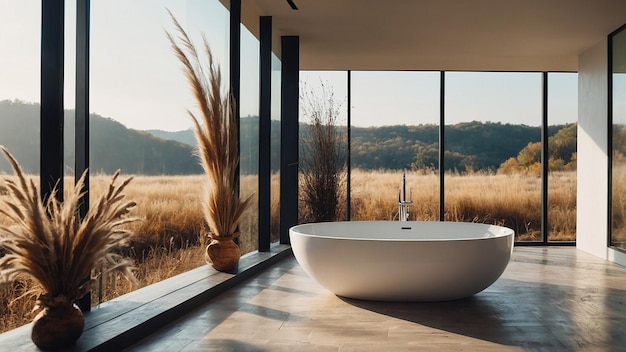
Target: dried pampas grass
52	245
216	132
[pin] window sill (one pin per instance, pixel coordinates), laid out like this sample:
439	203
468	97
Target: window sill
117	324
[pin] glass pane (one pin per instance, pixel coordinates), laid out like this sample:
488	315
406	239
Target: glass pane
275	150
20	75
69	94
140	125
323	146
249	139
492	150
395	132
20	40
618	201
562	131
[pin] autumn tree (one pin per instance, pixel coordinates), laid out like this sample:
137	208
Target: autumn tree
561	154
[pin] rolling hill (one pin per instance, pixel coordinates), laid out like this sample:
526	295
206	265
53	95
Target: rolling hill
469	146
112	146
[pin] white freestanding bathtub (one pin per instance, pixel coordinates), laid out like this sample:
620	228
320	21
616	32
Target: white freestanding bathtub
402	260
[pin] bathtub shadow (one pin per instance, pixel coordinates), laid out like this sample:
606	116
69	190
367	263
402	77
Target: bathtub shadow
492	315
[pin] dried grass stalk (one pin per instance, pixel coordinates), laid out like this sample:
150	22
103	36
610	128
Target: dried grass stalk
52	245
216	132
323	162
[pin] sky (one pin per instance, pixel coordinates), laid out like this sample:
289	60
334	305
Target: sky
136	79
388	98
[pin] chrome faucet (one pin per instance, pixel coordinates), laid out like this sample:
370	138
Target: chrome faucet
403	204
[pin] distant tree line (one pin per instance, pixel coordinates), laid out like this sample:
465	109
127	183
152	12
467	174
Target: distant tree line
470	146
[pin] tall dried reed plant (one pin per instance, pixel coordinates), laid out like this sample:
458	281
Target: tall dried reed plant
49	243
323	161
216	131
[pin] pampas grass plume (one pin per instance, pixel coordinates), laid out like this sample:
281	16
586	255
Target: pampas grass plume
51	244
216	133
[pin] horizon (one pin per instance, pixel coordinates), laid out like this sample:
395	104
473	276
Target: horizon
18	101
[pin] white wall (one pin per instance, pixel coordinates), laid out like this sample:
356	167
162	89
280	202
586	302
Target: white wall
592	200
591	214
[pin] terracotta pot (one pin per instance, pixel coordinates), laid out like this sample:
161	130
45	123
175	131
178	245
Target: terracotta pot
58	327
223	255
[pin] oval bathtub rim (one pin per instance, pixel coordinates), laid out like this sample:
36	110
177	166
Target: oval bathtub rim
508	231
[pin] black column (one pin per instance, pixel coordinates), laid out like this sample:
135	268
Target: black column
235	53
81	136
82	97
544	158
265	112
235	75
349	151
51	117
442	144
289	90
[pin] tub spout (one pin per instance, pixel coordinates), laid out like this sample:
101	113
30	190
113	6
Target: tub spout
403	203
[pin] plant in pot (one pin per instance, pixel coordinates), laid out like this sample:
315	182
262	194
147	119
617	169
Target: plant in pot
215	129
48	243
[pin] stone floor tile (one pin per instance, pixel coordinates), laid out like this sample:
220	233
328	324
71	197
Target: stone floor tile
548	299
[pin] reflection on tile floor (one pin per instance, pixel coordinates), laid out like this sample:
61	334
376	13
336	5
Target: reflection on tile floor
548	299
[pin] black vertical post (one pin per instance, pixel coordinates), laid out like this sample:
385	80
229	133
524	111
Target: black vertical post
265	112
442	144
290	78
235	54
609	146
544	158
82	98
235	76
349	149
81	136
51	117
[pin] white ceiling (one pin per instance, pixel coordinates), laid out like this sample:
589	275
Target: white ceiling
483	35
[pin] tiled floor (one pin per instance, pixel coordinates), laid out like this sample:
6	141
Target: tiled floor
548	299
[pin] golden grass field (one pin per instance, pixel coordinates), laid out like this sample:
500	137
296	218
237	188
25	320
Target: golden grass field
510	200
618	206
170	239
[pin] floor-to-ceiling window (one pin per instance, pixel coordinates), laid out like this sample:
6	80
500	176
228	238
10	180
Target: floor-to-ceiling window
617	44
249	139
275	151
493	150
394	144
562	130
323	146
492	154
140	102
20	89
